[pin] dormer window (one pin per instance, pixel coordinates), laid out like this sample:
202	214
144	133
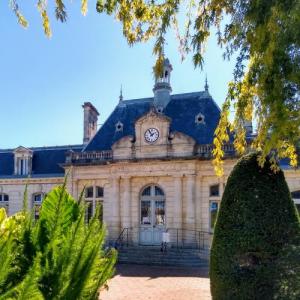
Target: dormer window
199	119
119	126
23	161
159	109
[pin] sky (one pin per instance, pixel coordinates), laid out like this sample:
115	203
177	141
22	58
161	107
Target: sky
44	82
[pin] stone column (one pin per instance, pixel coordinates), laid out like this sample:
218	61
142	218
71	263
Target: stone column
190	209
126	197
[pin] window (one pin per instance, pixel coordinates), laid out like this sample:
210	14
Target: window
213	212
119	126
296	195
147	191
4	199
99	192
22	161
93	198
296	198
36	204
214	191
89	192
199	119
159	191
88	210
152	210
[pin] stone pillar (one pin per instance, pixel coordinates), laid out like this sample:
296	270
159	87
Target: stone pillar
177	220
198	202
126	205
190	209
114	228
177	214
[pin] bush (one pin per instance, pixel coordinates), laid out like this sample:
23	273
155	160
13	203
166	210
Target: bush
256	224
57	257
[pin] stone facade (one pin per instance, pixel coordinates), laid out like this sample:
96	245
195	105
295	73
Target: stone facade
186	185
149	166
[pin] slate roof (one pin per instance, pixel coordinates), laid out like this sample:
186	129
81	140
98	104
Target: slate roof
182	109
45	161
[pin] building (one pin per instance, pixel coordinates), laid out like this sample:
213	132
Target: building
149	165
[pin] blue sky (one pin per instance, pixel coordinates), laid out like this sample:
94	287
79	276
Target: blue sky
44	82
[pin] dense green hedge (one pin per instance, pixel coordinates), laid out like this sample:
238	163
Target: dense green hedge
256	225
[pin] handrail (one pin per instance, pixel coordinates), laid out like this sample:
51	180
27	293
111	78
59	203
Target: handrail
200	239
120	239
182	238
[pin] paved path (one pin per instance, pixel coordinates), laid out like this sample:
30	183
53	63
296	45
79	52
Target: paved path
135	282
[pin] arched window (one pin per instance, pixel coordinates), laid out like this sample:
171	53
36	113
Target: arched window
147	191
93	197
37	200
296	198
159	191
4	201
152	206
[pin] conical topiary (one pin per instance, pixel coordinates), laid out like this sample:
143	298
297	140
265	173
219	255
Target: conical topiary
256	223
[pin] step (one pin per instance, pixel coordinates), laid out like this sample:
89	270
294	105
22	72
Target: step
154	256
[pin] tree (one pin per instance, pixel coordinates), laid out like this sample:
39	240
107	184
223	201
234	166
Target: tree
256	235
57	257
265	35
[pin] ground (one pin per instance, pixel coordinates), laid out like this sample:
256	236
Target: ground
136	282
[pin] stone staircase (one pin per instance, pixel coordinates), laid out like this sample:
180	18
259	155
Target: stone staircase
150	255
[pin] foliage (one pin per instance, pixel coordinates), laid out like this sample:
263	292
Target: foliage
57	257
255	249
265	35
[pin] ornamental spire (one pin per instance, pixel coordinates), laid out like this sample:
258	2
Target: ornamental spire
206	84
121	94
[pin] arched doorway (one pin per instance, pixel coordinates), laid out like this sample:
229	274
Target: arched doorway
152	215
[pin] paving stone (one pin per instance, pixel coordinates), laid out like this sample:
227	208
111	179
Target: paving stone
139	282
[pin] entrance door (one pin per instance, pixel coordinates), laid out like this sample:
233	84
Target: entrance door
152	215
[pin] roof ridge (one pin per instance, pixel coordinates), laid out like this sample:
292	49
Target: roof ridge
146	99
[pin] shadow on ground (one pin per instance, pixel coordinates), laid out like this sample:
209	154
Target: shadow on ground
132	270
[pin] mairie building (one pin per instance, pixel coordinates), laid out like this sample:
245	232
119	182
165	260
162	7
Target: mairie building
149	166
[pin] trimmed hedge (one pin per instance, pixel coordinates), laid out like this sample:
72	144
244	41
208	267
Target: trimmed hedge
256	223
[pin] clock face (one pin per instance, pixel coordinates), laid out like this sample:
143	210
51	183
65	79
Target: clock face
151	135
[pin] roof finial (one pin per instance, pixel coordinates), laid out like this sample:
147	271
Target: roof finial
206	84
121	94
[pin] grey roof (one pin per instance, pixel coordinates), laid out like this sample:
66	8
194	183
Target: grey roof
45	161
182	109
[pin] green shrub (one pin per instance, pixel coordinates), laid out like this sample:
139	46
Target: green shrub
57	257
256	225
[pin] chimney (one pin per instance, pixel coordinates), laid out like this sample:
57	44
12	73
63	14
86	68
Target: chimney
90	118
